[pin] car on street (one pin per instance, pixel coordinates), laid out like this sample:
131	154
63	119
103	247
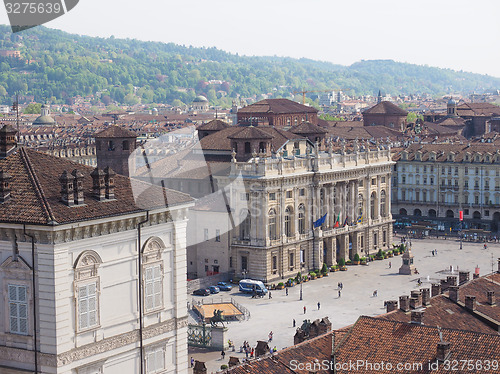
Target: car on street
202	292
214	289
224	286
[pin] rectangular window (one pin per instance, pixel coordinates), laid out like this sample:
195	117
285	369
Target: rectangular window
153	287
217	235
302	192
432	181
487	213
302	256
456	170
205	234
18	309
384	237
425	180
155	361
403	179
87	306
275	262
244	196
291	260
272	196
231	262
362	241
466	212
374	181
382	180
289	194
466	171
244	263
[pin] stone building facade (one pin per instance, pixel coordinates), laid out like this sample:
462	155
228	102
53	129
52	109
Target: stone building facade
435	182
92	281
286	196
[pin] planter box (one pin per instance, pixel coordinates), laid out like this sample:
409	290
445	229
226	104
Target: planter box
356	262
343	268
363	262
320	276
280	287
379	258
325	274
334	269
390	254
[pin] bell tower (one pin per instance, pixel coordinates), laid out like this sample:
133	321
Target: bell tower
114	145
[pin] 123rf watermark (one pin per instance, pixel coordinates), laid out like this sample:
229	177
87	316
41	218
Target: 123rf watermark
25	14
364	366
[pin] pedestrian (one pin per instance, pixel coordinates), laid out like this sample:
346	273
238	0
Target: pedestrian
270	295
294	323
432	253
319	305
375	293
341	285
339	293
275	349
192	362
223	354
271	336
390	265
338	285
286	291
436	251
304	309
251	353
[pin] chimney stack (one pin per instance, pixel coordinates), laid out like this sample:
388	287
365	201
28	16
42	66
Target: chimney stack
417	317
491	297
5	179
417	295
98	184
453	293
404	303
391	305
8	143
77	187
470	302
444	285
443	351
451	280
463	277
426	296
199	367
435	289
233	361
67	192
109	178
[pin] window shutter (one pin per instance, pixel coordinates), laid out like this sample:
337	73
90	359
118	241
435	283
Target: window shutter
157	286
149	288
92	304
18	309
87	305
160	359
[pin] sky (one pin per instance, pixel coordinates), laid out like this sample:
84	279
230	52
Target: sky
459	34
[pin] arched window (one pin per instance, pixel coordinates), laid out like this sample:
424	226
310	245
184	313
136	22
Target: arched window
245	224
373	205
152	274
302	219
247	147
262	147
273	233
288	221
382	203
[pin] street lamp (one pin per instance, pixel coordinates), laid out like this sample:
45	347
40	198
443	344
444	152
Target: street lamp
301	281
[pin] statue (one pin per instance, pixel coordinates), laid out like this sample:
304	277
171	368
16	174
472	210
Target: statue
217	317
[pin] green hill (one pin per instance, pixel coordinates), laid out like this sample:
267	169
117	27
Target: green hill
58	66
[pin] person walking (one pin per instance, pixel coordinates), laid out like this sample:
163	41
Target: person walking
319	305
192	362
271	336
294	323
304	309
270	295
375	293
339	293
286	291
223	354
390	264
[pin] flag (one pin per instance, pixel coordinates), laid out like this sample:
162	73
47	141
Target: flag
320	221
345	222
360	219
336	224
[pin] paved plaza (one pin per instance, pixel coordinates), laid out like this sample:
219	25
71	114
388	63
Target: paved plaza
277	314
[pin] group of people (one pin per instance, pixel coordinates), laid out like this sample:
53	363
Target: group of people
434	252
249	351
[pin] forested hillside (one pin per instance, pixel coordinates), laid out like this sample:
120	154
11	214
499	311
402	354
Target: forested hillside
56	66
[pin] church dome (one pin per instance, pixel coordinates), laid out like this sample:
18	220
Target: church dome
200	99
452	102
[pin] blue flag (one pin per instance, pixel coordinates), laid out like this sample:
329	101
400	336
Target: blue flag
320	221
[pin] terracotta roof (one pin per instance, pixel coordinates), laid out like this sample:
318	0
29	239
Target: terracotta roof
250	132
479	288
115	132
307	127
214	125
35	195
396	342
386	107
277	106
443	149
478	109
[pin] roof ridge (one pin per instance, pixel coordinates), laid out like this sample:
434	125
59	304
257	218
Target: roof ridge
37	187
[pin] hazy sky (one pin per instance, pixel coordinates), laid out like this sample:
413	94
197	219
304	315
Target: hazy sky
458	34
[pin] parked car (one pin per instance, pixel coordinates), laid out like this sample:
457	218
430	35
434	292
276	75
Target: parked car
202	292
214	289
224	286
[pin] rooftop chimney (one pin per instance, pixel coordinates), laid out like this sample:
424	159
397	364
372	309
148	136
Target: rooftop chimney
233	361
436	289
98	184
418	296
67	192
451	280
5	179
417	316
8	142
443	351
78	186
391	305
470	302
491	297
444	285
426	296
109	178
404	303
453	293
463	277
199	367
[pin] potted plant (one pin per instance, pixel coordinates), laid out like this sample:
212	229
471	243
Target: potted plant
341	263
334	268
298	278
290	282
389	253
280	286
305	279
313	275
362	260
324	270
380	255
356	260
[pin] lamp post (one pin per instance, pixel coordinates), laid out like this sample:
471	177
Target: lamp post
301	281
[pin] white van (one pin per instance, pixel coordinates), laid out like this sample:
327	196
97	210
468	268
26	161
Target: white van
250	285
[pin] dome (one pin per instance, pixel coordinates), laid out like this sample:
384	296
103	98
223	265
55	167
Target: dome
44	120
452	102
200	99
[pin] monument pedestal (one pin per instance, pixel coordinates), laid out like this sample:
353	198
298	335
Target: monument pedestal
407	268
